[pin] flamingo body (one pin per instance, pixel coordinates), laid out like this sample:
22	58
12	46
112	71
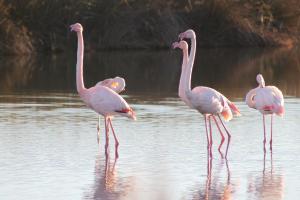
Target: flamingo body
205	100
268	100
209	101
100	98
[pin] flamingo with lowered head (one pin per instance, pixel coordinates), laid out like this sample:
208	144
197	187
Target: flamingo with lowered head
268	100
101	99
205	100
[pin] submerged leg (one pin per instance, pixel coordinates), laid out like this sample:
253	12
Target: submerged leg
271	132
228	134
222	140
116	140
208	143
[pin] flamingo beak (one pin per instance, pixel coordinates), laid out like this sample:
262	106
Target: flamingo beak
175	45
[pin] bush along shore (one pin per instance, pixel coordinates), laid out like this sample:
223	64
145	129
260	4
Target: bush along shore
33	26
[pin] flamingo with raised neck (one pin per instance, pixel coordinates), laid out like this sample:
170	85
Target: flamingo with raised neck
205	100
99	98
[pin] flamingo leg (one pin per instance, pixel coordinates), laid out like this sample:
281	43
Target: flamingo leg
106	136
264	141
98	130
228	134
116	139
271	132
210	133
208	143
222	141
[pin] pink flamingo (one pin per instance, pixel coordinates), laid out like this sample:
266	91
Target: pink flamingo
267	100
99	98
207	101
117	84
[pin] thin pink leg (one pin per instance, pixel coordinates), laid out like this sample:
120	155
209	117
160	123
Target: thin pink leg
228	134
208	143
222	141
271	132
106	136
210	132
116	140
264	141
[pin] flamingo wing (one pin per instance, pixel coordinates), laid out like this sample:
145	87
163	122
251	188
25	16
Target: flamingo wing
107	102
117	84
206	100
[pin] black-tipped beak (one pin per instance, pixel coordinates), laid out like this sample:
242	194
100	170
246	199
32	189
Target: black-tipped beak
174	45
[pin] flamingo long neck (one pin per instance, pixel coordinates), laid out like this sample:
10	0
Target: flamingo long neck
181	91
189	68
79	64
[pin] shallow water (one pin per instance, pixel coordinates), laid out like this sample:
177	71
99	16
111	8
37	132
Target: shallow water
49	150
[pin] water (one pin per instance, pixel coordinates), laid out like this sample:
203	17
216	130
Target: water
48	143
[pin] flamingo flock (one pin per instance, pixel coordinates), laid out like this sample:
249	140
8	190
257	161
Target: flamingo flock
104	98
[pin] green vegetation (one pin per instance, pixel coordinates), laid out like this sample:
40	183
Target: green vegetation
43	26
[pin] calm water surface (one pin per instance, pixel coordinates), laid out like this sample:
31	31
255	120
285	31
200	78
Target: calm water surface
48	143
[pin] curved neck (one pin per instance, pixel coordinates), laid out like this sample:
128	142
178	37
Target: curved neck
79	64
189	68
181	92
249	98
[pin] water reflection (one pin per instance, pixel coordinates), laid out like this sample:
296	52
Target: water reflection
215	187
107	184
267	185
231	71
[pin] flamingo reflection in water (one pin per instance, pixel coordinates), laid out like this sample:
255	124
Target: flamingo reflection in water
107	184
214	187
267	185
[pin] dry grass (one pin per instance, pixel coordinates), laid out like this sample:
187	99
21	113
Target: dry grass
41	25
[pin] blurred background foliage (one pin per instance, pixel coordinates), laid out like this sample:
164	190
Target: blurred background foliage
30	26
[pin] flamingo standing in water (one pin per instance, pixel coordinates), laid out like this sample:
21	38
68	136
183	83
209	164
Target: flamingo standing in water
268	100
117	84
205	100
101	99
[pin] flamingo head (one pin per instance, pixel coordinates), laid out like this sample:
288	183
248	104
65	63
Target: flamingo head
260	80
182	45
76	27
189	34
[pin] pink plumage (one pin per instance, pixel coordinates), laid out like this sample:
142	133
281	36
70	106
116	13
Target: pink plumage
207	101
100	98
267	100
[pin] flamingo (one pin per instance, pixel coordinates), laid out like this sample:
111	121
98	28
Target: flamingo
117	84
268	100
207	101
99	98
